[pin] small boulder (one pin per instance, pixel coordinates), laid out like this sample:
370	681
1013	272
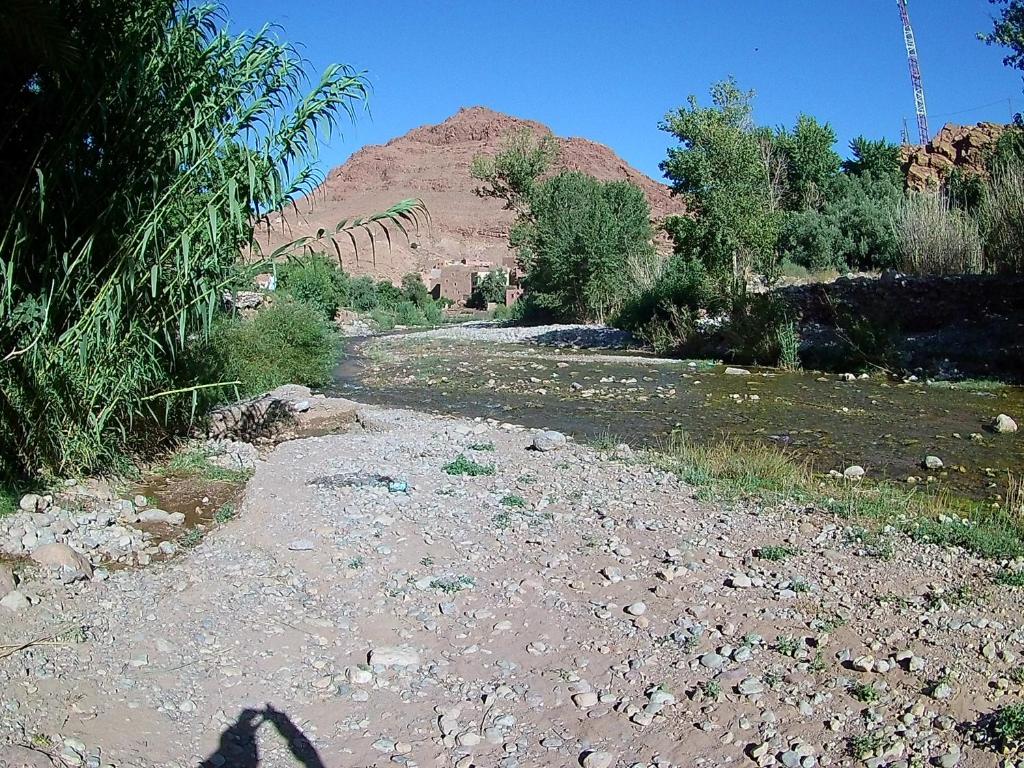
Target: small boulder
58	555
597	760
932	462
394	656
153	515
730	371
854	472
32	502
1003	424
549	440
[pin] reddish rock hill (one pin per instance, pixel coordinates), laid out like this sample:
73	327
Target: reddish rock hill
955	146
433	163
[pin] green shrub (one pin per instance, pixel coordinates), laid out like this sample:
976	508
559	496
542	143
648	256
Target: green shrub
407	313
362	294
287	343
664	314
760	329
1009	726
852	230
415	291
315	280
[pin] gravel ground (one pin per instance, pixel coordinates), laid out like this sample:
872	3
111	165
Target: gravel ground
579	336
366	608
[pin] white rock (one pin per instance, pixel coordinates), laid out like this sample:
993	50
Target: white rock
1003	424
730	371
585	700
32	502
549	440
932	462
598	760
636	609
854	472
394	656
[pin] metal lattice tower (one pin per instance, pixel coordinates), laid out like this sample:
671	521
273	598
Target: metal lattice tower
915	73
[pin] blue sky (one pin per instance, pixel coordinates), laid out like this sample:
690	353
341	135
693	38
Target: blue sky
609	71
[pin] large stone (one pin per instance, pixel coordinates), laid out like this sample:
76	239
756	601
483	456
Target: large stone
855	472
932	462
394	656
62	556
549	440
1003	424
32	502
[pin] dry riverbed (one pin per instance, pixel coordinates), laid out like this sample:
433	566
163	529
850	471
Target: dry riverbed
368	605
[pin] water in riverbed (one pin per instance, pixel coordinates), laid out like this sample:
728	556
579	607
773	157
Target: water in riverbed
886	426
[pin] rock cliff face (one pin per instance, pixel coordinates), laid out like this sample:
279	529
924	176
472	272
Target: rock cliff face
433	163
955	146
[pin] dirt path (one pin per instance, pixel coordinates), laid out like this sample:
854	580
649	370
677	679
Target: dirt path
570	608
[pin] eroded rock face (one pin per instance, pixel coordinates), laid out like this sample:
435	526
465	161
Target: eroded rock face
955	146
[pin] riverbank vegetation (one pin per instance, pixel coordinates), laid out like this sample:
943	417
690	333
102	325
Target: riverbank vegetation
142	146
735	471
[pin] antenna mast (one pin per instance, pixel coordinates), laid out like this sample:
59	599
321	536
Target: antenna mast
915	73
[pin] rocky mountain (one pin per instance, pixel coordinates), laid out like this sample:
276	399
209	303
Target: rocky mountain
955	146
433	163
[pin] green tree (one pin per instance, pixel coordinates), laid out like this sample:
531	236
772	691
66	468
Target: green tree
1008	31
511	174
853	229
811	163
729	173
583	242
316	281
489	289
880	158
415	291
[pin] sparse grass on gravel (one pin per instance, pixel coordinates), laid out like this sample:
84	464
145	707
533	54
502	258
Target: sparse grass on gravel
466	466
733	470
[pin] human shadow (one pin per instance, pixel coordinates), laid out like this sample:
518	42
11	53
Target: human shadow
238	747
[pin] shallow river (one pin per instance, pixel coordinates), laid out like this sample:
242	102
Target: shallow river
885	425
